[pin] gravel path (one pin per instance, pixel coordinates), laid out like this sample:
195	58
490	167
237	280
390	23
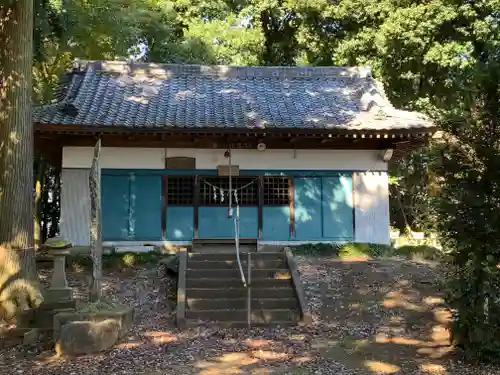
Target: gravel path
370	317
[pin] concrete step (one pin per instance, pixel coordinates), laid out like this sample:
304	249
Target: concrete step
235	273
194	283
258	316
232	256
232	264
241	303
241	292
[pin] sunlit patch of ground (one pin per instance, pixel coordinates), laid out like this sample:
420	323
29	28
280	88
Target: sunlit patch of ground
370	317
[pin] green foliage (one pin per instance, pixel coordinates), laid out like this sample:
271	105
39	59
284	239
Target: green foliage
423	252
412	189
366	250
115	260
468	206
317	249
361	250
98	306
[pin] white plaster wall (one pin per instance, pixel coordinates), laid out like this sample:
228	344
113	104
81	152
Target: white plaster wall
115	157
371	207
75	206
154	158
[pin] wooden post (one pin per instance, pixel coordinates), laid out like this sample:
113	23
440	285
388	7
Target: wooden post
249	289
260	209
95	225
40	171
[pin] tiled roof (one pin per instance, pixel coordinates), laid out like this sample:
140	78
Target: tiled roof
120	94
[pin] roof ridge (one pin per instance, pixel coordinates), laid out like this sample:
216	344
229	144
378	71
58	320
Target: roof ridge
225	71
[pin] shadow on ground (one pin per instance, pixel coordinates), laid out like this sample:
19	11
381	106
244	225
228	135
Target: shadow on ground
390	315
370	317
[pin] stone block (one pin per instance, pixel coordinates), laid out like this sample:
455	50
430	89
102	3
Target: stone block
122	315
87	337
31	337
43	316
171	264
59	294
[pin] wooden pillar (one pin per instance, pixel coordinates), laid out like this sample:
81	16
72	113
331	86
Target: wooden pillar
260	211
164	192
95	225
291	202
196	205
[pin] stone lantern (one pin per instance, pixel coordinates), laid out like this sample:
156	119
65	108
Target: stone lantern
59	248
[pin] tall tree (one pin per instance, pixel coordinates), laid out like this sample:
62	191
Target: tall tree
468	206
19	287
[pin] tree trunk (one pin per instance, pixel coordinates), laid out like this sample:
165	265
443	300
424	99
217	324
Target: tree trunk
95	225
19	287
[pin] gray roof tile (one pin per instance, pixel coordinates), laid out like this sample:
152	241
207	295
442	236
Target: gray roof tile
159	96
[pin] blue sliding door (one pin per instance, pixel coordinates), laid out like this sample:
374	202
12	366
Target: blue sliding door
115	204
323	208
213	222
131	207
180	223
276	223
307	200
337	210
145	208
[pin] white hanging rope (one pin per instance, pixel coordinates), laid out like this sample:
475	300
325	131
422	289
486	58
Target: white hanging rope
222	190
236	221
232	193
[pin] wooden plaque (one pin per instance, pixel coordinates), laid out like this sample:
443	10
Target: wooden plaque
180	162
223	170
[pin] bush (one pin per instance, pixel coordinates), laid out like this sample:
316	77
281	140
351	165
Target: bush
114	260
351	249
317	249
421	252
354	249
366	250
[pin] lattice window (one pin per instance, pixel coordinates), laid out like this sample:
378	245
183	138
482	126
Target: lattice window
180	190
214	191
276	191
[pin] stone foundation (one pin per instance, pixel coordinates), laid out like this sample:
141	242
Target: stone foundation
123	316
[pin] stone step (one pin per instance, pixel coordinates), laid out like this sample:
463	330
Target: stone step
224	249
223	241
241	303
233	264
258	316
241	292
232	256
194	283
243	324
235	273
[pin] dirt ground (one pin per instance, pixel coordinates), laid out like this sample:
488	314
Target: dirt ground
370	317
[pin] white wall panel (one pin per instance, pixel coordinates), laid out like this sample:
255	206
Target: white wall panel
154	158
75	206
371	212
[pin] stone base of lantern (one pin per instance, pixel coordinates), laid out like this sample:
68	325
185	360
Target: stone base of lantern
58	295
43	317
57	298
